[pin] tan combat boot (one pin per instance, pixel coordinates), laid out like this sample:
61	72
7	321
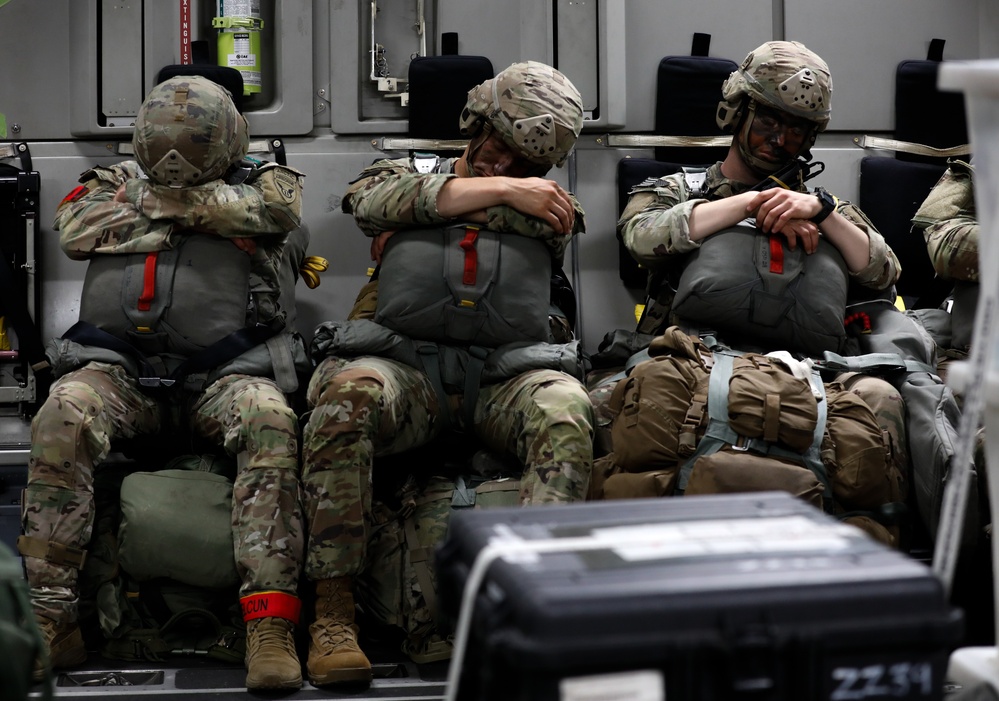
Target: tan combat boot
334	656
64	644
271	659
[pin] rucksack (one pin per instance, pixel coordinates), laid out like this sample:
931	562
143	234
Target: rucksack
465	285
20	638
160	576
695	420
398	586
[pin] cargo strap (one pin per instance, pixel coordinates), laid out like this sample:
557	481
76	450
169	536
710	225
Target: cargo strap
877	142
720	434
56	553
871	363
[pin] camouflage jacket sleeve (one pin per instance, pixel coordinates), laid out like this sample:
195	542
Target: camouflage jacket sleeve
89	221
270	202
655	223
882	268
93	223
655	226
508	220
949	224
389	195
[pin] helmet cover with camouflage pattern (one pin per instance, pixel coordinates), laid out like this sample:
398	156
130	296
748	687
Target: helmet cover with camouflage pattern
785	75
534	108
188	131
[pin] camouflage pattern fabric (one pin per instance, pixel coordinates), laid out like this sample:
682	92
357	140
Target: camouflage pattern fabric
532	107
391	194
655	228
87	409
368	407
188	131
787	76
949	224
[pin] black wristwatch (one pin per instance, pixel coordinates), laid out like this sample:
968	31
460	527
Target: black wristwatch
828	203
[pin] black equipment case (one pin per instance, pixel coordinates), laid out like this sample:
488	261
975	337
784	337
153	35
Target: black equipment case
748	596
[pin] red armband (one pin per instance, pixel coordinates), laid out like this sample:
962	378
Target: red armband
264	604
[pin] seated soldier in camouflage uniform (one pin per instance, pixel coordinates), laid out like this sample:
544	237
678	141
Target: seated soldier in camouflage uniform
363	407
775	104
949	225
948	221
188	134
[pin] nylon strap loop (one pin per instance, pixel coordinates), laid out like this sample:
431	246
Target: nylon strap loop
776	255
471	257
148	283
267	604
771	418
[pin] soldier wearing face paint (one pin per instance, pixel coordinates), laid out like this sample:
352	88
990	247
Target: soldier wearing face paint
374	392
775	104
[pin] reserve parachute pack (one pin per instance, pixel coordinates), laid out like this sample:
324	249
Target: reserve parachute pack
398	587
751	289
160	577
188	315
464	285
695	420
749	286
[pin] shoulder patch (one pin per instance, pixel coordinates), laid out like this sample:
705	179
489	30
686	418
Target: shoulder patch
75	194
286	183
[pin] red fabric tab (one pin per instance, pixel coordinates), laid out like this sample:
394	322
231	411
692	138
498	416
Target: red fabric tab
776	255
266	604
148	283
74	194
471	257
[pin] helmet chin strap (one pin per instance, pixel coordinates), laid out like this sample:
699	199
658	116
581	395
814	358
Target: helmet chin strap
474	147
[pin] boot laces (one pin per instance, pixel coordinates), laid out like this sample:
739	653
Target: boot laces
334	634
272	634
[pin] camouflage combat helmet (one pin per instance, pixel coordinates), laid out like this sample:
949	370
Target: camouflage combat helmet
188	131
532	107
785	75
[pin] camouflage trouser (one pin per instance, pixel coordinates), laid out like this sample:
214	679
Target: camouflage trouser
371	407
92	406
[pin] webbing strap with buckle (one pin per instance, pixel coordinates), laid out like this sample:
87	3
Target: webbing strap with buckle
720	434
56	553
